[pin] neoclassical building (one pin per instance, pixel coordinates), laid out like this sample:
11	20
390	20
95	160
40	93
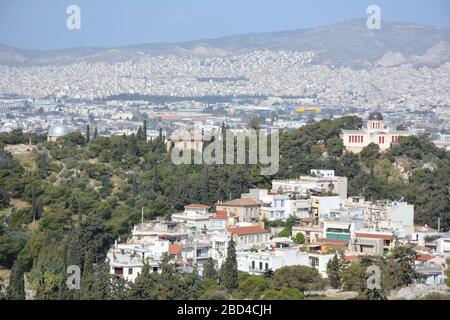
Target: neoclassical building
376	132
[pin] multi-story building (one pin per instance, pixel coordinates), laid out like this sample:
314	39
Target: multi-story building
250	237
376	132
195	216
342	223
322	183
243	209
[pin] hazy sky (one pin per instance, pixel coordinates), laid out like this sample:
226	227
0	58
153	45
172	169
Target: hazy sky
41	24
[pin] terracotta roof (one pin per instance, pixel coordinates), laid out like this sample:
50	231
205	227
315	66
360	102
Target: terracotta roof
197	206
221	214
242	202
174	249
375	236
425	257
241	231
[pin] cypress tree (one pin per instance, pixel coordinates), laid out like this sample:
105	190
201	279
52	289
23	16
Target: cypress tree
334	272
229	272
88	133
16	289
144	130
95	132
87	278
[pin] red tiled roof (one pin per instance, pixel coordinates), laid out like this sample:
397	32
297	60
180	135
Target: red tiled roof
241	231
375	236
425	257
243	202
197	206
221	214
174	249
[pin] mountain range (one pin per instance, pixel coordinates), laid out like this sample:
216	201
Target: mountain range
348	43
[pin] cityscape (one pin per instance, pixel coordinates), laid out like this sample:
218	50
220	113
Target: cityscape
355	206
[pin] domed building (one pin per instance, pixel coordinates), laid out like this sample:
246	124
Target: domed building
58	131
376	132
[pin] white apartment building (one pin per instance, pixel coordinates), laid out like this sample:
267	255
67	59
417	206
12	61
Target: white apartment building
342	223
389	215
194	216
305	185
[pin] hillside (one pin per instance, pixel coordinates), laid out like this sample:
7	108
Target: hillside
346	43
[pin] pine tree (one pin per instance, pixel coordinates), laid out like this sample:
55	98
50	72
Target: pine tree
88	133
209	271
16	289
229	272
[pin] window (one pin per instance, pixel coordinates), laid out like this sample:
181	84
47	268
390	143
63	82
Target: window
118	271
130	270
266	266
253	264
260	265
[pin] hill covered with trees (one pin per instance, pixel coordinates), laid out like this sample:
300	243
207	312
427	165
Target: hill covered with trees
73	198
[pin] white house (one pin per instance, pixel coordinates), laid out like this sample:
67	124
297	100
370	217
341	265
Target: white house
195	216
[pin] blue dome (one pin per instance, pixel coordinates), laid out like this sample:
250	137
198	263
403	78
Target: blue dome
59	130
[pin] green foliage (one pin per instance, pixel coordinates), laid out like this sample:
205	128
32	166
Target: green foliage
229	272
16	288
299	238
85	195
253	287
11	243
209	271
335	269
144	287
302	278
397	271
283	294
